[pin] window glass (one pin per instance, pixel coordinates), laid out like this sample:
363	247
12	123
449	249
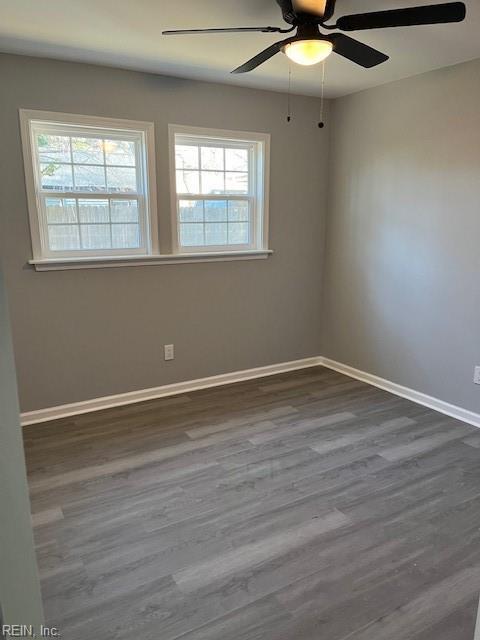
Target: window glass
91	188
219	193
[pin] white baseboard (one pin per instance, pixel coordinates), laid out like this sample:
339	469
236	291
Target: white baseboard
405	392
108	402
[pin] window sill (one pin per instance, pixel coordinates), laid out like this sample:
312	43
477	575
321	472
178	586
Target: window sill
61	264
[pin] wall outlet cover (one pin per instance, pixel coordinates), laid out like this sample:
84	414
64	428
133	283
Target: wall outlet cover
476	375
169	351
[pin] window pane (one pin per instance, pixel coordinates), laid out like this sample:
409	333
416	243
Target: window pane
238	233
124	210
238	210
90	183
60	210
215	210
53	148
213	182
56	176
236	182
122	179
186	156
188	182
87	150
63	237
93	210
95	236
191	235
120	152
236	159
125	236
212	158
89	178
191	210
216	233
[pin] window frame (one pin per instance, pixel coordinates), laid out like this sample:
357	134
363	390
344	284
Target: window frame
259	150
33	120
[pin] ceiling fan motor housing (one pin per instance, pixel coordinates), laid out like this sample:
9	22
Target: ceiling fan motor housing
294	15
289	14
308	32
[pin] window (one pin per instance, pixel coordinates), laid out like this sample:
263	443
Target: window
92	199
219	190
90	185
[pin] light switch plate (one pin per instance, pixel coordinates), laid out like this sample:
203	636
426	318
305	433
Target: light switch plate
476	375
169	351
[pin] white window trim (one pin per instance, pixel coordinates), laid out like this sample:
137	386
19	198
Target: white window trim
262	189
28	118
141	261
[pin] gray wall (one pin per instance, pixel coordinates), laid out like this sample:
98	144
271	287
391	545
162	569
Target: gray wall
401	297
19	589
88	333
402	293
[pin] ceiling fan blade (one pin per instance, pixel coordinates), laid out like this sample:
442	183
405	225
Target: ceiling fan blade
179	32
262	57
311	7
430	14
355	51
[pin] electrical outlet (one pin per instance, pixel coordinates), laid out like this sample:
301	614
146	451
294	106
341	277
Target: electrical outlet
476	375
169	351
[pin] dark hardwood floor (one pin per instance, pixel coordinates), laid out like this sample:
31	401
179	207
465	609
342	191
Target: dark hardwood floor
304	506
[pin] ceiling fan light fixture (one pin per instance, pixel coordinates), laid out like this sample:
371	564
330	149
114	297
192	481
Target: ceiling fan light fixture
308	52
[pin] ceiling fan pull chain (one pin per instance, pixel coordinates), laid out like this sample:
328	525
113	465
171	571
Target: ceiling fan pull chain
321	123
289	95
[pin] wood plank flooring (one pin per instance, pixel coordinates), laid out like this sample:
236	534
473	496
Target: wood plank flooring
297	507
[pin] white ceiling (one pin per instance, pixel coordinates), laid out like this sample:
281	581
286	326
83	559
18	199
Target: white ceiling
126	33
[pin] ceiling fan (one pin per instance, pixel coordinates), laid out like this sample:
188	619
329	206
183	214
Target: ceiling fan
310	46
